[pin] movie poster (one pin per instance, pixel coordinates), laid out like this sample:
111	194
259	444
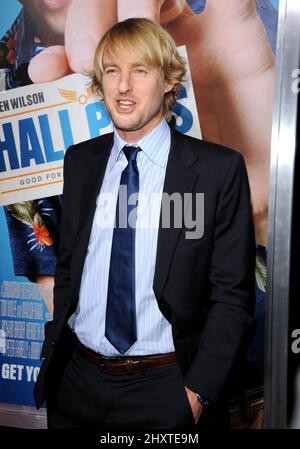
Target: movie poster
46	105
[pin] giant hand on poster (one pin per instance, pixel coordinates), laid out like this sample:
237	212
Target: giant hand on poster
232	70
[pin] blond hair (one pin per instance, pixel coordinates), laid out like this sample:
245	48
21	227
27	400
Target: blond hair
152	44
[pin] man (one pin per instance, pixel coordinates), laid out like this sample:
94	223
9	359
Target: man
151	314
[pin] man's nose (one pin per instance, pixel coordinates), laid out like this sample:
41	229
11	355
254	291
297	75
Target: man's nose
125	83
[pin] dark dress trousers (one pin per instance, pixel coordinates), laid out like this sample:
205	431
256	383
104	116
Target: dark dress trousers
204	287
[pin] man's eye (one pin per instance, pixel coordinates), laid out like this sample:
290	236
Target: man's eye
142	71
110	71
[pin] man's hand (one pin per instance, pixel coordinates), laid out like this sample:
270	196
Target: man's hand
196	407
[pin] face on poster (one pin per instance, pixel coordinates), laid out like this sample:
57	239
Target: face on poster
231	64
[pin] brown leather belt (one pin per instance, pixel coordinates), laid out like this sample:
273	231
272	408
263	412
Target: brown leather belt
123	364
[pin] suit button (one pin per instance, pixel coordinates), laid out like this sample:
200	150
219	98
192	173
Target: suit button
53	343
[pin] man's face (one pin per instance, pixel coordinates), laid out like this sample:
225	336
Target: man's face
133	95
48	13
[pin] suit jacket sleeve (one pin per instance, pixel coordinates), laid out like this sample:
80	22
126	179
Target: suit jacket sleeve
232	282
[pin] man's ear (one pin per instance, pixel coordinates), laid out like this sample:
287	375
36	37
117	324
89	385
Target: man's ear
168	87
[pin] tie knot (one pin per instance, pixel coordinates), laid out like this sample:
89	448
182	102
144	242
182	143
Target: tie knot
131	152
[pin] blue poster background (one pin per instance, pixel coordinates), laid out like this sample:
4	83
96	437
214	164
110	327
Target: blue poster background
17	317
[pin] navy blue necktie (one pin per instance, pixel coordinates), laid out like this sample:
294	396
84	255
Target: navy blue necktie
120	325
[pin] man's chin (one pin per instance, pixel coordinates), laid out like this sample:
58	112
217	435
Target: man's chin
126	127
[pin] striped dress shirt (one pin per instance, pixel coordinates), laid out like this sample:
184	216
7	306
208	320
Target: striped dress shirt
154	333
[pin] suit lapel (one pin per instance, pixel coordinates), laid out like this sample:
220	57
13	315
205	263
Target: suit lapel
93	174
181	179
94	170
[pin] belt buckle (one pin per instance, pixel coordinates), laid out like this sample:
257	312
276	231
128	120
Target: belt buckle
129	366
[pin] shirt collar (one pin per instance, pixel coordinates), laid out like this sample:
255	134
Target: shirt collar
155	145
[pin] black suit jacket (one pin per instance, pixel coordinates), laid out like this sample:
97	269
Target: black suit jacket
204	287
